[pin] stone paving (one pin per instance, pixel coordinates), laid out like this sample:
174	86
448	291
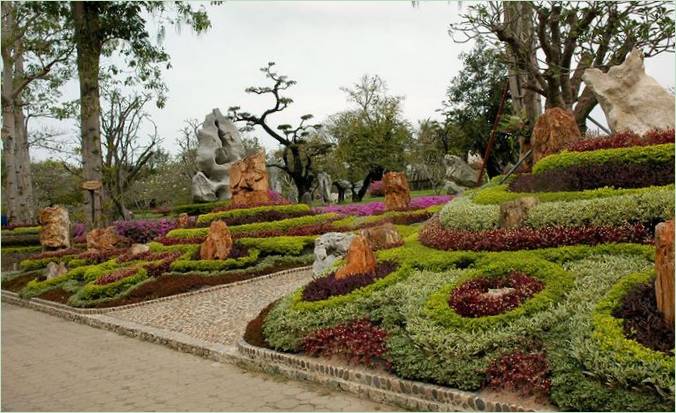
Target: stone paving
218	316
50	364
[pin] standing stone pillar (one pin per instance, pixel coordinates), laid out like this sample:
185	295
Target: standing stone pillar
55	232
664	266
397	192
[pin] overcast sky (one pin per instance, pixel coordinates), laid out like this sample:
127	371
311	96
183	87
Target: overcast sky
323	46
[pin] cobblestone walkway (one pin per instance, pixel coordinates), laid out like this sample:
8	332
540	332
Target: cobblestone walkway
218	316
50	364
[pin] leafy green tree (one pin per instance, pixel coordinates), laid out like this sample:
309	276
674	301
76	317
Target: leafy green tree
472	103
370	138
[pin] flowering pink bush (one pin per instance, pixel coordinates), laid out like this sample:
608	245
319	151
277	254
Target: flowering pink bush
142	231
376	188
378	207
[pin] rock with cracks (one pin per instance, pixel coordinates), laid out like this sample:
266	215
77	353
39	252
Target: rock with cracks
397	192
55	231
328	248
359	260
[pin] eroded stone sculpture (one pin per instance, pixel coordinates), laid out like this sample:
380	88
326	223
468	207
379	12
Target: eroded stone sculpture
459	174
554	130
103	239
219	147
218	244
630	99
55	231
397	192
359	260
382	237
328	248
513	214
249	180
324	181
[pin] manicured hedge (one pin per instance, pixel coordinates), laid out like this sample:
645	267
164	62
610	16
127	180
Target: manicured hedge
22	230
29	249
624	140
198	208
592	176
633	155
279	245
92	292
463	214
281	225
183	265
499	194
292	209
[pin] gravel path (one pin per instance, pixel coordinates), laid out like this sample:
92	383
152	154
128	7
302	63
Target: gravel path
218	316
50	364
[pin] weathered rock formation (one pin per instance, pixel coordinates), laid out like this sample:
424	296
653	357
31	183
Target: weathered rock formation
219	146
138	249
183	220
382	237
328	248
324	183
553	131
630	99
249	180
103	239
55	231
459	174
360	259
55	270
397	192
218	244
664	266
513	214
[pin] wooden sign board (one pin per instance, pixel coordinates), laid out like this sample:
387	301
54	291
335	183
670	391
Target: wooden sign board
91	185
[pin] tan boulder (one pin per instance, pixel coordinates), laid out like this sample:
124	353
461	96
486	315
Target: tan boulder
54	270
249	180
55	231
382	237
664	267
553	131
359	260
513	214
218	244
138	249
103	239
397	192
183	220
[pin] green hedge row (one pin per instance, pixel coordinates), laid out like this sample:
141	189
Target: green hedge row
198	208
185	265
281	225
635	155
206	219
279	245
645	206
94	292
29	249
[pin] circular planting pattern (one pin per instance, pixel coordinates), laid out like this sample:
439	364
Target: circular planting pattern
484	296
329	286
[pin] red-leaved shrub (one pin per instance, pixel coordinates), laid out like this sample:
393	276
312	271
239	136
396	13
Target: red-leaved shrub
55	254
358	342
527	373
96	256
623	140
116	275
177	241
434	235
474	298
325	287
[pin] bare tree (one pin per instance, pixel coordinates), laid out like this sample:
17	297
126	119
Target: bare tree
125	153
187	145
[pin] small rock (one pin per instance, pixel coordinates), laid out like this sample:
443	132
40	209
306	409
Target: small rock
328	248
54	270
382	237
359	260
513	214
664	266
103	239
397	192
55	231
138	249
554	130
218	244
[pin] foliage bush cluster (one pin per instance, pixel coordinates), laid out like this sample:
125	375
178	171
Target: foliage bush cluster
526	373
592	176
434	235
143	231
378	207
239	216
329	286
358	342
624	140
275	199
184	265
199	208
116	275
474	299
56	254
377	188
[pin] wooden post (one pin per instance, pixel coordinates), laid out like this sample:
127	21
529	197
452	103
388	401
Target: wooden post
664	267
92	187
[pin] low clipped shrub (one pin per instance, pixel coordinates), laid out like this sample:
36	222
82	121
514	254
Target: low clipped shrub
525	373
199	208
463	214
377	188
185	265
242	216
655	154
434	235
591	176
358	342
93	292
329	286
284	245
624	140
116	275
56	254
474	298
143	231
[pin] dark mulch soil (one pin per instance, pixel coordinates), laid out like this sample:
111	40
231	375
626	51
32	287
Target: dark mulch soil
58	295
643	322
254	330
325	287
166	285
16	284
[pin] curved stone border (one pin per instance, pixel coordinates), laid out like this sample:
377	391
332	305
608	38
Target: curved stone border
156	300
381	387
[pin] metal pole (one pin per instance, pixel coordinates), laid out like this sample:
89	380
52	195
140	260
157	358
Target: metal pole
515	167
491	141
603	128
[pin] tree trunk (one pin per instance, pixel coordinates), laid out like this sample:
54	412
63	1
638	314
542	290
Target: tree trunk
370	177
8	114
88	42
24	183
